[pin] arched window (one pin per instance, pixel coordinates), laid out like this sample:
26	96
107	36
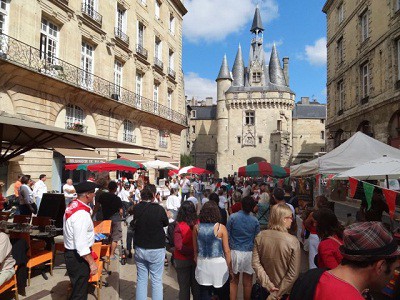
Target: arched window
210	165
128	134
74	118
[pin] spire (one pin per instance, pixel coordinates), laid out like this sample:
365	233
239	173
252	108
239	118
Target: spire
257	25
238	69
276	74
224	70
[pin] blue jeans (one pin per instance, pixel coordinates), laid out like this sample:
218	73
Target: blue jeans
149	261
38	201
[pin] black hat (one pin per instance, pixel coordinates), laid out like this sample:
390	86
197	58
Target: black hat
84	187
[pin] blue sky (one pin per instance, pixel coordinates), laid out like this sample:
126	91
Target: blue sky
215	27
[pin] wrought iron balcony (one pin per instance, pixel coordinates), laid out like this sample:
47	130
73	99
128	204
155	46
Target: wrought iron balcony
141	50
89	11
171	73
121	35
28	57
163	144
158	63
130	138
79	127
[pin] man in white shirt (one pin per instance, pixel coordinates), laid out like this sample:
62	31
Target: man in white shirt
126	197
246	189
173	203
193	199
39	189
69	192
185	186
78	238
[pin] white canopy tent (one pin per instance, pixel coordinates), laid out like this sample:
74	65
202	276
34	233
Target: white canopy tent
377	169
159	164
357	150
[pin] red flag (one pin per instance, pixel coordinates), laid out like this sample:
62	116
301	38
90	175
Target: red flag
353	186
390	197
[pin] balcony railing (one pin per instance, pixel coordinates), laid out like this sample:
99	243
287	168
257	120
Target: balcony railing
28	57
90	12
76	127
121	35
158	63
141	50
171	73
129	138
163	144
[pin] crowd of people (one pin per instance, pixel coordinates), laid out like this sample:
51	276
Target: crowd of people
220	234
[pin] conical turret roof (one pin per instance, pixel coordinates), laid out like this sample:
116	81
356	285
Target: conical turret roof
257	23
238	69
224	72
276	74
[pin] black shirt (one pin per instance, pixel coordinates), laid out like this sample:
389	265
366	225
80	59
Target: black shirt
151	219
110	204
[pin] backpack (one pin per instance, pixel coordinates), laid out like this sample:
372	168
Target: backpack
305	286
170	236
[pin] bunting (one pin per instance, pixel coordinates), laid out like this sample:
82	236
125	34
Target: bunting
390	197
369	191
353	186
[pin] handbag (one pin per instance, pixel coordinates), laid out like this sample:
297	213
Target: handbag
258	292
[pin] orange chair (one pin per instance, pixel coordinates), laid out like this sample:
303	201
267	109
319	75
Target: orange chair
36	257
4	215
21	219
104	227
10	284
96	279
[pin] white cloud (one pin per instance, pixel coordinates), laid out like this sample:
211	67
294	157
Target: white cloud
213	20
199	88
316	54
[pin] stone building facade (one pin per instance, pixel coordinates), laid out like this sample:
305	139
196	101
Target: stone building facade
106	68
363	81
254	108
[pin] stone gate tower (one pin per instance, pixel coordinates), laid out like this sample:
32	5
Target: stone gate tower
254	108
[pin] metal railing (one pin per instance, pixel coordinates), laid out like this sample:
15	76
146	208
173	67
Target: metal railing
129	138
90	12
163	144
171	72
141	50
158	63
28	57
76	127
121	35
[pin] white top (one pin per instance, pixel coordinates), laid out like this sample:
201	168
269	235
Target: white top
185	185
39	189
25	195
66	188
173	202
204	200
174	186
196	186
124	195
222	201
193	199
79	232
246	191
137	195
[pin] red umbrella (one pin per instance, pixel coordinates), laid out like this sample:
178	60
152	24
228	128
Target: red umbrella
172	172
264	169
193	170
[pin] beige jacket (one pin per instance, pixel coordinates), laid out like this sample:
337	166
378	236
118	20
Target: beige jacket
276	261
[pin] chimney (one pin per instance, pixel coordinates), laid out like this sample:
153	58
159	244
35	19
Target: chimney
305	100
209	101
286	69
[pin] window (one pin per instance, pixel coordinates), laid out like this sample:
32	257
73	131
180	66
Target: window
138	89
341	94
341	13
163	139
158	49
322	135
74	118
398	5
156	88
90	7
256	76
128	135
322	121
239	140
169	100
193	129
322	149
121	20
171	24
157	6
249	118
340	50
260	139
279	125
365	80
48	42
3	15
193	114
87	65
117	77
364	26
398	58
140	34
171	62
